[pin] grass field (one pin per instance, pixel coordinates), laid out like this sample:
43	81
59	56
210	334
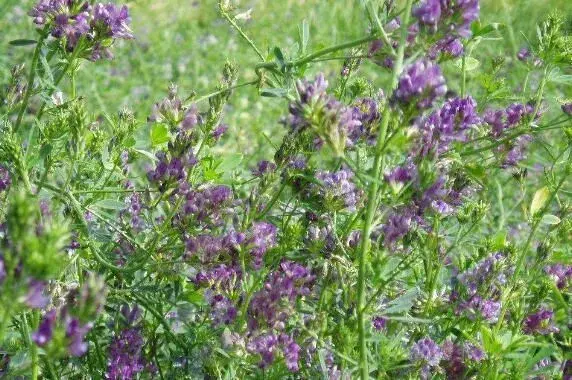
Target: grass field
187	43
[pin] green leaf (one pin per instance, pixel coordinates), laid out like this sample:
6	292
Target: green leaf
110	204
159	134
304	34
279	56
550	219
488	29
408	319
149	155
470	63
22	42
539	200
274	92
403	303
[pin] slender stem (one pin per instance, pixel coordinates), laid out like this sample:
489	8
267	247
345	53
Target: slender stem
221	91
241	32
464	76
373	14
333	49
30	85
73	89
524	251
32	347
372	202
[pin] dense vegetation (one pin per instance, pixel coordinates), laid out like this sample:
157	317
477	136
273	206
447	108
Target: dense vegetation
381	191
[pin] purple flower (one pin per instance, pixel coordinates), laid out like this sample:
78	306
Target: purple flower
264	345
272	304
2	269
379	323
421	83
398	225
449	124
452	17
222	312
223	276
263	237
513	115
448	46
426	351
402	174
45	330
490	310
291	352
219	131
207	205
267	345
336	188
539	323
112	21
263	167
35	297
474	353
523	54
482	274
76	332
5	180
566	108
428	12
125	360
560	273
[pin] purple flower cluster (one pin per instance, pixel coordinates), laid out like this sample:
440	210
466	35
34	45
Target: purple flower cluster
72	20
482	286
263	167
75	331
512	116
567	108
539	323
426	352
420	84
333	120
223	311
36	298
456	356
133	212
221	276
446	125
262	238
379	323
453	17
207	248
5	180
475	306
267	345
484	274
172	170
125	359
74	318
272	305
208	205
438	197
320	239
561	274
337	189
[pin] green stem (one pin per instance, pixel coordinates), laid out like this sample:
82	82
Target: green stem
240	31
31	78
524	251
372	202
32	347
464	76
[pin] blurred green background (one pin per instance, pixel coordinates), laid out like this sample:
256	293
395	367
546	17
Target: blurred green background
187	42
